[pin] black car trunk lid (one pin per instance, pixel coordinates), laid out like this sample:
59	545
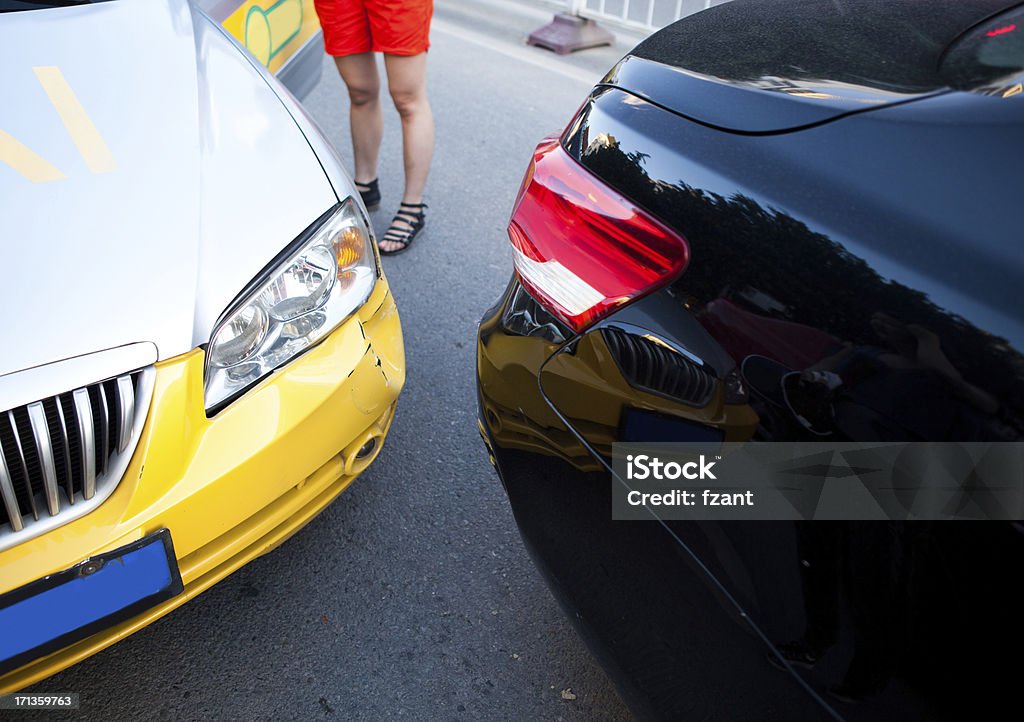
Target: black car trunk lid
766	67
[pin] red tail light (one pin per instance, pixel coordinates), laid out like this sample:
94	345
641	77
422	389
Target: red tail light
583	249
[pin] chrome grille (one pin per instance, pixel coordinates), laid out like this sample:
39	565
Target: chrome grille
655	368
63	455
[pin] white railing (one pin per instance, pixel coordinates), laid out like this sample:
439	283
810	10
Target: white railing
645	15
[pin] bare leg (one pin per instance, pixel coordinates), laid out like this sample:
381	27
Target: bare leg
407	83
363	82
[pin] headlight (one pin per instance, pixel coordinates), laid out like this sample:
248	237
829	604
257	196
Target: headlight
328	274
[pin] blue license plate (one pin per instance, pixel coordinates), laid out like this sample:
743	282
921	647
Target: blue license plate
65	607
647	427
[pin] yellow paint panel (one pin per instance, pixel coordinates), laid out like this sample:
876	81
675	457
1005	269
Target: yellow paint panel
76	120
273	30
33	167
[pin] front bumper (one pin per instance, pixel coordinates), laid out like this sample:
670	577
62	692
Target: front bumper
235	486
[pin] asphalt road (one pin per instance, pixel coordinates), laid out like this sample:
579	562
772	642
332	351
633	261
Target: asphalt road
412	595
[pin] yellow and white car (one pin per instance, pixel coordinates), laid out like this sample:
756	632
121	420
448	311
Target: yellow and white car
201	351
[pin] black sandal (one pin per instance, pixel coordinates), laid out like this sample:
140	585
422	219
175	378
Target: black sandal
370	193
415	219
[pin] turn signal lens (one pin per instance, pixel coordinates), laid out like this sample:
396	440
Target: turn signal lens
581	248
349	246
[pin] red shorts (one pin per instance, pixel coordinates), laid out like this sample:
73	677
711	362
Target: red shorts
396	27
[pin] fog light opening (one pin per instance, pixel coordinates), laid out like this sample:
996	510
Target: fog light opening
367	448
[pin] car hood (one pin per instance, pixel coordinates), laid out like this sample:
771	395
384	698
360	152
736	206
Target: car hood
147	173
761	67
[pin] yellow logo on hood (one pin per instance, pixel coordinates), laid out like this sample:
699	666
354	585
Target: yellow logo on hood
77	123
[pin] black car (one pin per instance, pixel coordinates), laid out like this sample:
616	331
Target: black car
777	223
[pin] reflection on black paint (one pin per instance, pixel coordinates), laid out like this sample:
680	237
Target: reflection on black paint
823	309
